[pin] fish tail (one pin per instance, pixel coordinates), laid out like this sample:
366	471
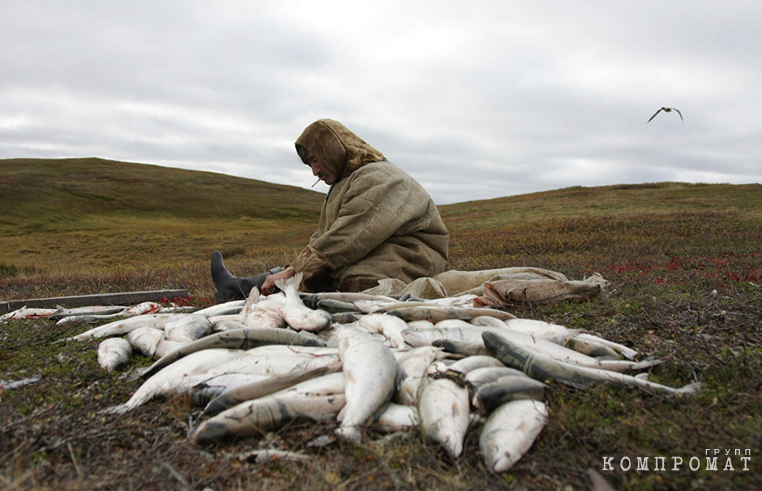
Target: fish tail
690	388
118	409
647	363
298	279
349	433
342	412
294	281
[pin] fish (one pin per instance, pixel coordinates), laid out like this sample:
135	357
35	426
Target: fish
320	398
227	308
485	320
114	353
619	348
471	363
443	411
144	308
509	433
459	323
94	310
242	338
204	388
385	305
422	324
388	325
263	313
145	339
186	328
82	319
228	323
336	306
250	301
277	360
492	395
345	317
411	368
542	367
564	354
458	370
170	377
481	376
426	336
397	417
179	309
436	314
29	313
592	348
165	347
461	348
295	313
311	299
473	335
461	301
124	326
370	369
666	110
232	397
370	306
552	332
216	319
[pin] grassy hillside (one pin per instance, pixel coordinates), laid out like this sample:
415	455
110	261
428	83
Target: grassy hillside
39	195
89	214
684	264
628	222
606	201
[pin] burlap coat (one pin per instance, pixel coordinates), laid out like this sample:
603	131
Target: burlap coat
376	222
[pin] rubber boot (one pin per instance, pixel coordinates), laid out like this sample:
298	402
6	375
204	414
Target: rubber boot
231	287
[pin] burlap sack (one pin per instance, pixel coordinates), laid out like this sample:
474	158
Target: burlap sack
470	282
497	287
501	292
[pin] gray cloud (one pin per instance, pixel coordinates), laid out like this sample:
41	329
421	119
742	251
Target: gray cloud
475	99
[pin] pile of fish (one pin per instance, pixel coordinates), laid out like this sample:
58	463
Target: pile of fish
367	362
91	314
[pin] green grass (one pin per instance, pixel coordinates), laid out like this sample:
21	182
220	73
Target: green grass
685	269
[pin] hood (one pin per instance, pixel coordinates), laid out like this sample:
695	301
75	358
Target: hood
337	147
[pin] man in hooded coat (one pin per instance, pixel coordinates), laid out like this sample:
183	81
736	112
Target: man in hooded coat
377	222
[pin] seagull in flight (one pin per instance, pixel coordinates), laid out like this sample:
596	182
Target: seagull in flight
666	110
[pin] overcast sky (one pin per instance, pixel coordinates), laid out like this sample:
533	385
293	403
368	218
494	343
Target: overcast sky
475	99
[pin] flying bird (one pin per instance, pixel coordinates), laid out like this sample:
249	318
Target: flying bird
666	110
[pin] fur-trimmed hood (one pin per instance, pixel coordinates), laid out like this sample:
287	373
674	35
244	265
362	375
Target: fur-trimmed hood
337	147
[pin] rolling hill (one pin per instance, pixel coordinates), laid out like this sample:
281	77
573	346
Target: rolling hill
91	213
79	194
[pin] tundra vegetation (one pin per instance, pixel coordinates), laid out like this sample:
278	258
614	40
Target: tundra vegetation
685	269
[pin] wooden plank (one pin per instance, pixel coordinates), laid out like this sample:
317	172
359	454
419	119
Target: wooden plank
124	298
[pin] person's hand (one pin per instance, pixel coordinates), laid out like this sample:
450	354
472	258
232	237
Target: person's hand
268	287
